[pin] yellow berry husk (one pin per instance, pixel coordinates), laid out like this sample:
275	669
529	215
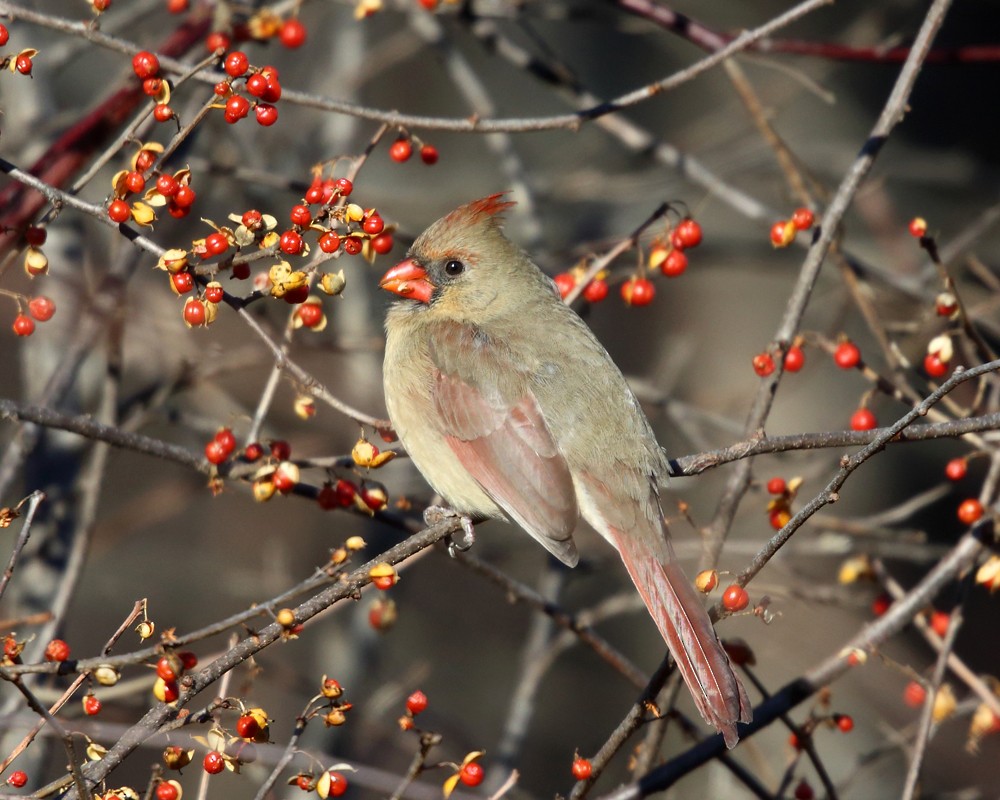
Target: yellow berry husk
706	580
106	675
285	618
855	569
355	543
364	452
263	490
944	703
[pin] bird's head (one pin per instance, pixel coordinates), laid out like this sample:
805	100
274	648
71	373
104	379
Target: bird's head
462	266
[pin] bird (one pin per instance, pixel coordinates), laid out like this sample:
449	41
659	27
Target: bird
511	408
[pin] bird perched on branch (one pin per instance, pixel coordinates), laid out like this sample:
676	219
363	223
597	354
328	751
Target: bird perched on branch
511	408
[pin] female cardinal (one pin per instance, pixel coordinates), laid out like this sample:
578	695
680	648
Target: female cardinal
511	408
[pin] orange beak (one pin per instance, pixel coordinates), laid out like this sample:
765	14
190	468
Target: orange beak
408	279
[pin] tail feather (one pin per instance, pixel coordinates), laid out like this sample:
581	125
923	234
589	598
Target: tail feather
684	624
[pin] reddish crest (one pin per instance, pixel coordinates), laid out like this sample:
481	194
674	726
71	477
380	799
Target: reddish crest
480	209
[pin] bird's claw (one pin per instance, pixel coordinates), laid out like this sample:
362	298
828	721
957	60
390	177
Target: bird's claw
458	542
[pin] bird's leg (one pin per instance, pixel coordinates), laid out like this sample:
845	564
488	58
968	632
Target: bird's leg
460	541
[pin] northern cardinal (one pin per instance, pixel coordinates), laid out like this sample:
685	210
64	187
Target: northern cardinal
510	407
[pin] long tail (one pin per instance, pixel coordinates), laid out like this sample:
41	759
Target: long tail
677	609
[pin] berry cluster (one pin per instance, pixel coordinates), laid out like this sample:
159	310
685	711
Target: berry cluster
402	149
39	309
261	84
667	254
261	26
784	231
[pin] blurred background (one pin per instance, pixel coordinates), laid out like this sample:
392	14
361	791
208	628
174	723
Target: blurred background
127	526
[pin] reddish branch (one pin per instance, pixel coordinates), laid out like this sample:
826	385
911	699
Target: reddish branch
67	154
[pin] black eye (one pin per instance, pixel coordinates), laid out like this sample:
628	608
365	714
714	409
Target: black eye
454	267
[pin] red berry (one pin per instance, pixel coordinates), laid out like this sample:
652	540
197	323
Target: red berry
779	518
776	486
782	233
162	112
257	85
236	64
168	668
382	243
291	242
596	290
401	150
345	492
845	722
803	791
23	64
216	244
214	763
416	702
247	726
582	768
934	366
564	283
182	282
237	107
795	359
23	325
735	598
215	453
119	211
91	705
152	86
145	64
352	245
863	420
429	154
214	293
918	227
847	355
315	192
252	219
134	182
281	450
970	511
216	40
803	219
224	436
266	114
763	364
167	185
41	308
881	604
176	211
472	774
956	469
188	659
166	791
939	622
4	35
373	224
674	264
293	33
344	186
34	235
194	312
688	233
18	778
338	784
184	197
914	695
329	242
300	215
311	314
56	650
638	292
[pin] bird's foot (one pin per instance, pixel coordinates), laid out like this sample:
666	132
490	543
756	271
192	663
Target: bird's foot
460	541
